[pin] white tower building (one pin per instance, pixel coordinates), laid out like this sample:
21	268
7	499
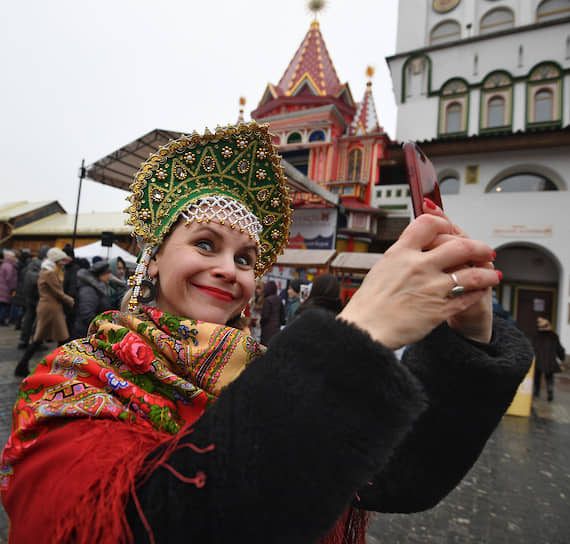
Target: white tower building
484	87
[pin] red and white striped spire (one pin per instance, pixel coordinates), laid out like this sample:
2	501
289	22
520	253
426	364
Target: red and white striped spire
365	120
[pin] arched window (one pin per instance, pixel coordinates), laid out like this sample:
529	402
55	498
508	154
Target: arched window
496	101
543	106
496	19
496	112
544	89
354	164
447	31
294	138
449	185
317	136
523	182
415	77
453	107
552	9
453	114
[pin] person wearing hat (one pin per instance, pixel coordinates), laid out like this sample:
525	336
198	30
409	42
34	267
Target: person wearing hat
170	422
93	296
293	292
50	314
547	351
325	294
119	281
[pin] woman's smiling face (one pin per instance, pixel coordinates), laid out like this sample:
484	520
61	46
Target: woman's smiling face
205	271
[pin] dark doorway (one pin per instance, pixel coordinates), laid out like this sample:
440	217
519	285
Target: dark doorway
532	302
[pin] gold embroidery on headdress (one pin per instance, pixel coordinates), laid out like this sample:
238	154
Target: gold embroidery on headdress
240	163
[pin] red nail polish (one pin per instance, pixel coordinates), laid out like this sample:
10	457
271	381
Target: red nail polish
429	203
499	274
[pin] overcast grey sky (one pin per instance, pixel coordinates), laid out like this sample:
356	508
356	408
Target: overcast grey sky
82	78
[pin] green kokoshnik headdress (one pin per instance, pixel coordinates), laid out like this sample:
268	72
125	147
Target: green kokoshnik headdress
236	163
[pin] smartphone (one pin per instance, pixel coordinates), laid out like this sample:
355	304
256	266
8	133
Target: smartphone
421	178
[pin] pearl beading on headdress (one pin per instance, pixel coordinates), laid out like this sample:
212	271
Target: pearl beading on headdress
138	277
222	210
225	211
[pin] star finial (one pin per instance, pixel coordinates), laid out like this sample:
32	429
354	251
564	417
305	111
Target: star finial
316	6
369	74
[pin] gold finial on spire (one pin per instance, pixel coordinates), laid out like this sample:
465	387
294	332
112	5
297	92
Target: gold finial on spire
316	6
369	74
241	118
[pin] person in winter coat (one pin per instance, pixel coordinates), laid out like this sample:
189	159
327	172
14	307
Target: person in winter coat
51	323
119	281
293	292
93	296
18	303
272	312
169	422
256	305
31	296
547	349
325	291
8	283
70	283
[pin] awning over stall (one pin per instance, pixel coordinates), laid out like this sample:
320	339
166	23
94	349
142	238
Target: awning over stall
356	263
118	168
306	258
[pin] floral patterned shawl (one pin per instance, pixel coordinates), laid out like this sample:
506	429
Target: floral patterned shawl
150	369
153	371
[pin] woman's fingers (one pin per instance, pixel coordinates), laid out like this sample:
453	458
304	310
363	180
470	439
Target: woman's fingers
454	252
434	230
423	231
472	279
409	292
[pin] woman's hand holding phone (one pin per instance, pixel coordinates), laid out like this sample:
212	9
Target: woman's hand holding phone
408	292
475	322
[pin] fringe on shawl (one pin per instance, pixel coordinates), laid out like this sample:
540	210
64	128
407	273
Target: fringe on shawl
112	460
350	528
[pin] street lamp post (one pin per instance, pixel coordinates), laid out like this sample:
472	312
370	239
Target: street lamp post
82	173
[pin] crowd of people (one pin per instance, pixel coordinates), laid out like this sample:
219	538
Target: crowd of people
75	290
90	288
53	296
268	312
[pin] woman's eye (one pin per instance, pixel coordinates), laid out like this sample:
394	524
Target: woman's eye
244	260
206	245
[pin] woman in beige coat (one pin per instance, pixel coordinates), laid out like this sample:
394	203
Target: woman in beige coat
51	324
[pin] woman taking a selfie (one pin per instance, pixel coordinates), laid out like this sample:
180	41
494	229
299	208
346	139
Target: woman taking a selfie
169	422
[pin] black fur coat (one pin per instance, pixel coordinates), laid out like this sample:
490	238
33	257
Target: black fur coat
327	418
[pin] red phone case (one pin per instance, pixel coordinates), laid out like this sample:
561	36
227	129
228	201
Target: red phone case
421	178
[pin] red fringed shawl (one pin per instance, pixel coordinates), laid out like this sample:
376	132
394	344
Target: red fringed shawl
135	384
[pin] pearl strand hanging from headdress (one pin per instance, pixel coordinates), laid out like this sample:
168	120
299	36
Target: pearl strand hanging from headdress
138	277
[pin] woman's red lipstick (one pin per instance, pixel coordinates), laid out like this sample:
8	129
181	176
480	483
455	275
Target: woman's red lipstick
216	293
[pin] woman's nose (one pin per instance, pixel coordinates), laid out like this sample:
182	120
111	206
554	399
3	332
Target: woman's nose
225	267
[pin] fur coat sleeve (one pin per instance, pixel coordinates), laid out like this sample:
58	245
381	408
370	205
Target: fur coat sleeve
307	427
468	387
